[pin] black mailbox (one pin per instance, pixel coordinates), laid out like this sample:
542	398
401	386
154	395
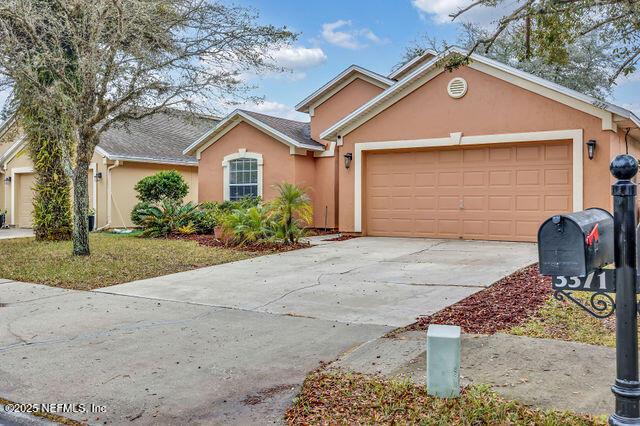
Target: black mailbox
576	244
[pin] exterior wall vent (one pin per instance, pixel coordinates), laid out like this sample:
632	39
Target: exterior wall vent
457	87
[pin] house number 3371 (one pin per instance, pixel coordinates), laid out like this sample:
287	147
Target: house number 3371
595	281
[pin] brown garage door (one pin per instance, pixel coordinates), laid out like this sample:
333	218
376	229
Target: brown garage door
24	200
494	192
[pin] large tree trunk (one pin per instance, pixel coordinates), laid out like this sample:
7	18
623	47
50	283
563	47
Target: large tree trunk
80	210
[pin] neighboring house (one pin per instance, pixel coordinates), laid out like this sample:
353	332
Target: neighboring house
125	155
483	152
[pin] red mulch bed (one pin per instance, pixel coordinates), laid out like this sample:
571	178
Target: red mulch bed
507	303
342	238
314	232
212	241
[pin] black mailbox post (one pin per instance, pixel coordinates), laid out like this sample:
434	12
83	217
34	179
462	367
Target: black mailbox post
576	244
574	249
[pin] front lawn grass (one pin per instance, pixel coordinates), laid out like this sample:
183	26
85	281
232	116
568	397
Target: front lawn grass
333	397
114	259
567	321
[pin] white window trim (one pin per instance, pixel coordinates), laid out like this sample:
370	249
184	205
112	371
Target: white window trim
455	139
242	153
14	172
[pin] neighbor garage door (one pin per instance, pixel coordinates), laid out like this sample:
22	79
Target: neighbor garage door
24	199
493	192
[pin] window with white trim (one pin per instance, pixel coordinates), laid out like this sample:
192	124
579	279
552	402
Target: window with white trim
243	178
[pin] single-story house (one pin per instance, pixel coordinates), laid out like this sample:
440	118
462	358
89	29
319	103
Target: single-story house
124	155
482	152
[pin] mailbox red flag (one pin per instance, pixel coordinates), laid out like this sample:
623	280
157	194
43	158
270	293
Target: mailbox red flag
593	236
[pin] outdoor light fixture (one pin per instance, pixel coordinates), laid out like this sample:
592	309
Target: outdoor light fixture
7	180
591	148
347	160
98	176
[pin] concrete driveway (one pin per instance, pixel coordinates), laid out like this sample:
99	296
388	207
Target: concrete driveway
232	343
385	281
8	233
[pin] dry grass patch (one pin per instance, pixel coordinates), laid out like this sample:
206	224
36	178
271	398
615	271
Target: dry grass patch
115	259
332	397
567	321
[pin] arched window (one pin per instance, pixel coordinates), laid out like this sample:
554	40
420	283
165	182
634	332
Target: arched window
242	175
243	178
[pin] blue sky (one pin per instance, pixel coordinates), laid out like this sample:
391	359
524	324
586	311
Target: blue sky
372	33
337	33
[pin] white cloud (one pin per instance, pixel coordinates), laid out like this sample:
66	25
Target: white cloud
299	58
277	109
341	33
439	10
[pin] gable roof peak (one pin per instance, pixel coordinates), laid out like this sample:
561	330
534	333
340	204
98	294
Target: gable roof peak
341	78
540	85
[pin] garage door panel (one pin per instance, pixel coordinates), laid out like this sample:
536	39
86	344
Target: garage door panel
500	154
474	202
528	153
560	153
474	178
500	178
528	177
499	192
557	177
557	203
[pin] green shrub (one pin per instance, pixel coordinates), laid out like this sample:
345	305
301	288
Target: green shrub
167	218
248	226
242	204
138	212
206	218
165	185
290	212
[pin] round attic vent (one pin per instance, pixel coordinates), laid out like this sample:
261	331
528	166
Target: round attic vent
457	87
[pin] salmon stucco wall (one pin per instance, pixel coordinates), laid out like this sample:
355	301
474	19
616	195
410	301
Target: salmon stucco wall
277	161
491	106
338	106
279	165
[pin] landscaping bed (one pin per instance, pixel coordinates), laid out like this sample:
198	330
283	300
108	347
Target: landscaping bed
335	397
258	247
114	259
342	238
523	304
508	303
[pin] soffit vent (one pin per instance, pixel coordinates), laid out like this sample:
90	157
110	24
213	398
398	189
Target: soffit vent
457	87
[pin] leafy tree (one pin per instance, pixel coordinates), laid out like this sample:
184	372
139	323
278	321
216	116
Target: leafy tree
291	210
113	61
163	185
586	70
551	28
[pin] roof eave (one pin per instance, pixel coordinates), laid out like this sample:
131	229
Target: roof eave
194	147
309	100
332	132
403	68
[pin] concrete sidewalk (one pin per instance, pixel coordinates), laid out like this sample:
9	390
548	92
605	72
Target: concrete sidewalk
539	372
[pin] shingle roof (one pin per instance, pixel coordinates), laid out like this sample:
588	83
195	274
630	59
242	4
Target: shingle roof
160	137
296	130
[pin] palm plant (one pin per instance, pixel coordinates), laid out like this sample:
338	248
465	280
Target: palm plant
248	225
291	210
166	218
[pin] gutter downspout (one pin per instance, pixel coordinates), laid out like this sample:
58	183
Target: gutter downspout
109	195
